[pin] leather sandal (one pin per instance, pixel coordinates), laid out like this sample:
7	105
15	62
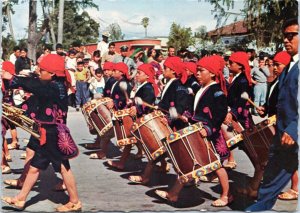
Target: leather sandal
165	195
8	158
115	165
15	183
15	203
23	156
221	203
289	195
137	179
5	170
13	146
98	155
230	165
70	207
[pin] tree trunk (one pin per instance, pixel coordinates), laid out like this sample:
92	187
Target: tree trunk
1	49
60	21
33	36
11	29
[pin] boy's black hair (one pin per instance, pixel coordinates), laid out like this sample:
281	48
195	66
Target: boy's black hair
98	71
80	63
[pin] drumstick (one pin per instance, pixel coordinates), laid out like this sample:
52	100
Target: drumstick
245	96
139	101
123	87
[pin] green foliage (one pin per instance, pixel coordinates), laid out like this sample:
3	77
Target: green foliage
180	37
263	18
115	32
77	27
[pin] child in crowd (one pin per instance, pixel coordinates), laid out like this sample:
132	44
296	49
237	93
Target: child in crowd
97	84
82	92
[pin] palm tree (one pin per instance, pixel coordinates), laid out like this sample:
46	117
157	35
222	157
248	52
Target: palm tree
145	23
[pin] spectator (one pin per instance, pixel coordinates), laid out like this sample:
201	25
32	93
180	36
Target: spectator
82	92
16	54
259	79
97	84
23	62
103	45
110	54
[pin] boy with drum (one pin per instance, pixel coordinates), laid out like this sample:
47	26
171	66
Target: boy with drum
210	108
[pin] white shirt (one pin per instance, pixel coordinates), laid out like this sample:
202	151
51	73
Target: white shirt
103	47
295	60
272	88
166	87
200	92
12	58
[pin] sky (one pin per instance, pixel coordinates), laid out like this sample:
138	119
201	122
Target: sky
129	13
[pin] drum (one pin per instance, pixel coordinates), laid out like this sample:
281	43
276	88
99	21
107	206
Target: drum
191	155
149	130
97	116
232	133
122	123
258	140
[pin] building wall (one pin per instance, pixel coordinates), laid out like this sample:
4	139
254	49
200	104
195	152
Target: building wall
132	44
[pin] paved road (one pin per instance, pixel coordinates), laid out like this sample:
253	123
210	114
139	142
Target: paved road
103	189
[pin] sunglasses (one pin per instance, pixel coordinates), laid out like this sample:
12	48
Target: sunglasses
290	35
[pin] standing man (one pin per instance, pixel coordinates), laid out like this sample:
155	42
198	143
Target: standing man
259	79
103	45
171	51
283	156
109	55
15	55
132	68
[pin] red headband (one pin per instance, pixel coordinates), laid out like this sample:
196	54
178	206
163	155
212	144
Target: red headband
108	66
122	67
175	64
242	59
191	66
53	63
282	57
149	70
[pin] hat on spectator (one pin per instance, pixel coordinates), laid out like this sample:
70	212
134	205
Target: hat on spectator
282	57
242	59
8	67
53	63
122	67
106	34
191	66
108	65
124	48
175	64
191	49
150	72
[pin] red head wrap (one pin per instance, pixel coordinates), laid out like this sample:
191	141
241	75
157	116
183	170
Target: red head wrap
8	67
53	63
175	64
149	70
122	67
282	57
242	59
191	66
215	64
108	66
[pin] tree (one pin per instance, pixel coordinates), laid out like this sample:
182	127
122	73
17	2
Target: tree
180	37
115	32
145	23
60	21
263	18
77	27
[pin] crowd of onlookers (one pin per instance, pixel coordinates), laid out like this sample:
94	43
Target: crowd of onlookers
88	78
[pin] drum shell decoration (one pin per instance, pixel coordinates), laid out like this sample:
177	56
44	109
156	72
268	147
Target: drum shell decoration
191	155
149	130
97	115
233	133
122	123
